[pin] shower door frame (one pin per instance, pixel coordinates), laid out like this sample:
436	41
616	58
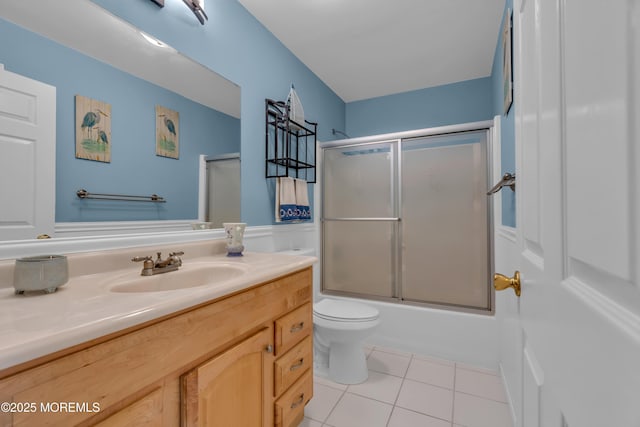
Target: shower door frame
396	244
397	138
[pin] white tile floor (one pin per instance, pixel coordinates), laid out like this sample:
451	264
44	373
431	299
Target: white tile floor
409	390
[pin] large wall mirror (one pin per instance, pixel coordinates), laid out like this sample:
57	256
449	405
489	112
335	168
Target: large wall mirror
81	49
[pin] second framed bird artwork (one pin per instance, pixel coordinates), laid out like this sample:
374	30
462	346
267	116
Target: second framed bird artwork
167	132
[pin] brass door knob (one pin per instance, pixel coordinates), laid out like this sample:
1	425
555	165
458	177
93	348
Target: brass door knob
502	282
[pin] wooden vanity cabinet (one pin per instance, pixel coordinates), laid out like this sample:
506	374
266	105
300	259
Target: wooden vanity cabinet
229	389
293	372
233	388
216	364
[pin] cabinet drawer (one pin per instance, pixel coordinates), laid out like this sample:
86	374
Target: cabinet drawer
289	409
292	365
291	328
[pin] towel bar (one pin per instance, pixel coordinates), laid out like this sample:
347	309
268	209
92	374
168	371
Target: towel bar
84	194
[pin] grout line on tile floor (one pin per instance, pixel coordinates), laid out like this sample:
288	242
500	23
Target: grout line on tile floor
453	403
333	408
480	397
395	402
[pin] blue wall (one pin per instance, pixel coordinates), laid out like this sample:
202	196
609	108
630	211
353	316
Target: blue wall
507	131
237	46
461	102
467	101
134	167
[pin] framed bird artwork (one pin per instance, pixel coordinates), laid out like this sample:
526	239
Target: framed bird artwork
93	129
167	132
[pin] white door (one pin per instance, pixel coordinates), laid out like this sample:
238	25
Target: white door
577	85
27	157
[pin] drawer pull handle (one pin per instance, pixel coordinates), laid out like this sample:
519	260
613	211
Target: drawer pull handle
297	365
269	348
297	327
298	402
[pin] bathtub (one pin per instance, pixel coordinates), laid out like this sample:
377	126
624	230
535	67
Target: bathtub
462	337
459	336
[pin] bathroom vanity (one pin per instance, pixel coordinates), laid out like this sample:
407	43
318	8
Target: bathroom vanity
237	352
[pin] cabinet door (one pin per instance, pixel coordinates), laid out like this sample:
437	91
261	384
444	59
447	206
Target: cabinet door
233	388
146	411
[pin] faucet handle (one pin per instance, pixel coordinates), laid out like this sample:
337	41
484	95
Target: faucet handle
175	257
147	267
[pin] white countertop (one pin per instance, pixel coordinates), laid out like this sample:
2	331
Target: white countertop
37	324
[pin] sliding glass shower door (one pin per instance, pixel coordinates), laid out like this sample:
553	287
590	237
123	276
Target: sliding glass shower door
360	219
408	220
445	226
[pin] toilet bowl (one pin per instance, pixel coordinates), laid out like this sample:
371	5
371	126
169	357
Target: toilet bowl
339	329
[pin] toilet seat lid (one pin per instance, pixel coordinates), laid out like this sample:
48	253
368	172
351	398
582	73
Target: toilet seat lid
345	311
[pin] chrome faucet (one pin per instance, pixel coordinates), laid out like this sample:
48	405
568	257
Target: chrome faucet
151	267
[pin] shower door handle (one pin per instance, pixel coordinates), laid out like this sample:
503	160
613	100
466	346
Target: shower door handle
501	282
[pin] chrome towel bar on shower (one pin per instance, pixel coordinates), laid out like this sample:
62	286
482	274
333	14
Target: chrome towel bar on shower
84	194
508	180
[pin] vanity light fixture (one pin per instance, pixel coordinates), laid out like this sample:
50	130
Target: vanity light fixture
154	41
196	6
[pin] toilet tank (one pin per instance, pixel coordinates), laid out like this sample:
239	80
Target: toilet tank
299	251
316	267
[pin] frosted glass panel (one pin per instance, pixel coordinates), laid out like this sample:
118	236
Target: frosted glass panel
358	181
444	221
358	257
223	191
441	182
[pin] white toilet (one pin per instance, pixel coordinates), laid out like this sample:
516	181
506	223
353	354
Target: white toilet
339	329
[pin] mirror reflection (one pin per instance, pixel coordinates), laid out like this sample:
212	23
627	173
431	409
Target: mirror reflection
65	44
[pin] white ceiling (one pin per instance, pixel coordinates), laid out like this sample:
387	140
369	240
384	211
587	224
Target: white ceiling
367	48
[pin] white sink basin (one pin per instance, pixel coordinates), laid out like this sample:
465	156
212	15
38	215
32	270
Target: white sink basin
188	276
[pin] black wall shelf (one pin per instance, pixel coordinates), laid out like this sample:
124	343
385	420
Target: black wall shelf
290	147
